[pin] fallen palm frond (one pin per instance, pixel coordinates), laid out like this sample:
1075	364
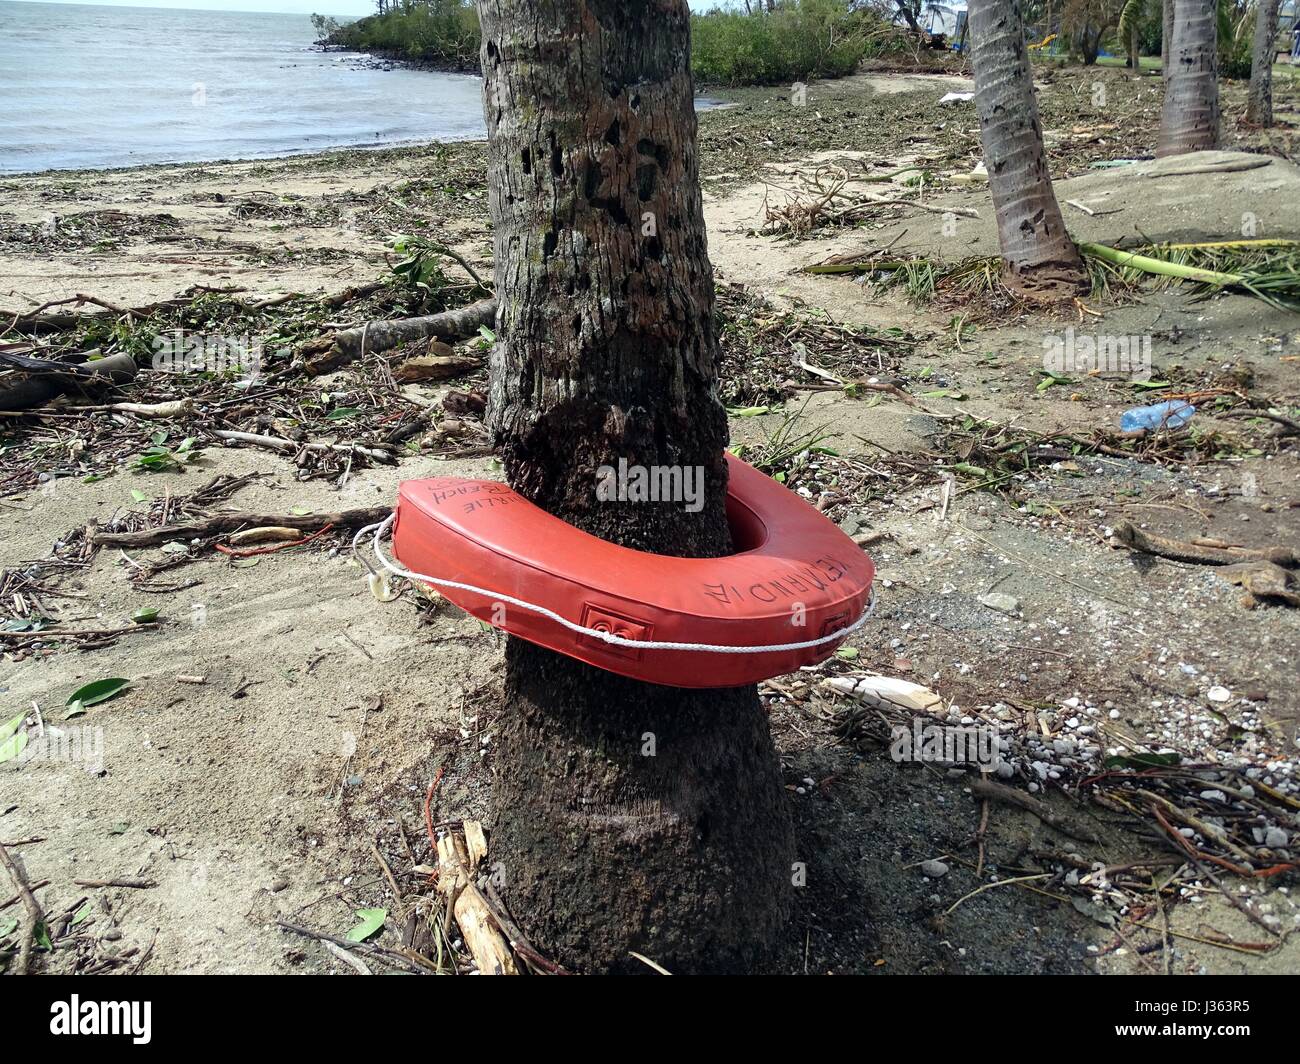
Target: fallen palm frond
1266	269
922	279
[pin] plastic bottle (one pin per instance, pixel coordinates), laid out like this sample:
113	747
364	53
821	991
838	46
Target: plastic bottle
1173	414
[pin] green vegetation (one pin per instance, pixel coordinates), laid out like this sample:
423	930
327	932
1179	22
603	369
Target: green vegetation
796	40
442	33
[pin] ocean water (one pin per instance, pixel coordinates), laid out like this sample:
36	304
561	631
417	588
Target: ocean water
87	86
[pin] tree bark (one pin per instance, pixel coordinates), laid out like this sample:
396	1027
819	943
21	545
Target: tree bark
1039	255
627	816
1259	105
1166	38
1189	119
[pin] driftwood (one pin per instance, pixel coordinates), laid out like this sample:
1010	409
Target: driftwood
983	788
274	443
385	335
1128	535
51	382
220	524
32	907
457	858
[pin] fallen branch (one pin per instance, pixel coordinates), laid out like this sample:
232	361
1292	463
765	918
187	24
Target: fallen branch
39	389
220	524
385	335
1011	796
34	914
133	884
1126	534
274	443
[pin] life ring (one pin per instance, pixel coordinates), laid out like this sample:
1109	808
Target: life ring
787	598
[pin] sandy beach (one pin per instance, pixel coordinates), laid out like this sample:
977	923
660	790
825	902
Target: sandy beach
270	762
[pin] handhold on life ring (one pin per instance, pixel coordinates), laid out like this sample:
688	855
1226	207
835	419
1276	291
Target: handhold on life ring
795	578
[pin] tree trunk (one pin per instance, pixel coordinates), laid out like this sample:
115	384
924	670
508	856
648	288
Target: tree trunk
1259	106
1189	119
627	816
1037	251
908	16
1166	38
1134	52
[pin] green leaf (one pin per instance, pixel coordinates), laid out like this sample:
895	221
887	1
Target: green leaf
1150	385
138	495
847	653
75	710
342	413
42	936
98	691
8	927
300	511
11	748
487	334
144	615
120	828
82	913
371	921
12	726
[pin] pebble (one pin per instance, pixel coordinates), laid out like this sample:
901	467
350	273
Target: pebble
1218	694
996	600
1275	838
934	869
278	885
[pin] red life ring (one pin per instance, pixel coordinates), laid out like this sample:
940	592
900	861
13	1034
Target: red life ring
795	579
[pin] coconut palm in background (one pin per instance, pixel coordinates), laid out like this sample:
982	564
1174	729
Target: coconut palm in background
1259	106
1189	120
1038	253
628	816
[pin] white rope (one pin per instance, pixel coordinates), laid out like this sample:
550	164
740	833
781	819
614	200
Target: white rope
607	637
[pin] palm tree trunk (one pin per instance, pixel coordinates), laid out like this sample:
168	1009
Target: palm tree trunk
1189	120
627	816
1038	252
1259	106
1166	38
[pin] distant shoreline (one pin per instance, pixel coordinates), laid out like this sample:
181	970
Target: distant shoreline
388	58
278	157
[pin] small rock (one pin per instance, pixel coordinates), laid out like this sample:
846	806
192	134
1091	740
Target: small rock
1275	838
278	885
996	600
1218	694
934	869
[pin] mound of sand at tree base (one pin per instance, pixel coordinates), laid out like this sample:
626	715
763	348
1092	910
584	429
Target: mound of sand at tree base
1213	195
1208	195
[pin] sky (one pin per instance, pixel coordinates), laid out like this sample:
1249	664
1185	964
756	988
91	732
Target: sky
293	7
